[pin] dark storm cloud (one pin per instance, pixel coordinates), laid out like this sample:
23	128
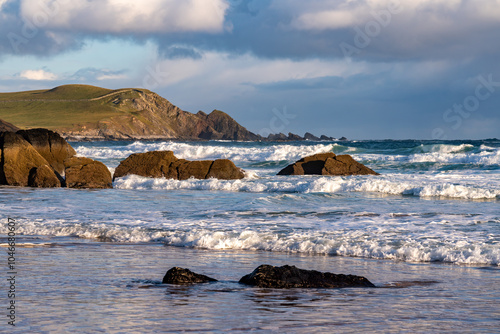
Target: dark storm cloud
372	31
275	29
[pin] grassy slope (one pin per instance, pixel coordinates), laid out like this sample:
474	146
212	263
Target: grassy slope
61	107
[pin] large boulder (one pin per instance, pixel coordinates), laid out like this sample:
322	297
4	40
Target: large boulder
164	164
87	174
50	145
224	169
285	277
196	169
327	164
178	275
19	160
149	164
43	177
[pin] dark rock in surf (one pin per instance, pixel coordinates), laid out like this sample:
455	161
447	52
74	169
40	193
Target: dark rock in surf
150	164
178	275
164	164
85	173
225	169
286	277
327	164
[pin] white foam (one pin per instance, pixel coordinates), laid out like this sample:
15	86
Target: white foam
197	151
442	148
484	157
385	241
427	185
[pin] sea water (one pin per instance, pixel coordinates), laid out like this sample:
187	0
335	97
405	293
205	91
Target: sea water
426	231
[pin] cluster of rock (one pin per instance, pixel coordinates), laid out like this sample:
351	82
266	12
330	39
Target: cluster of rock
42	158
327	164
158	164
285	277
295	137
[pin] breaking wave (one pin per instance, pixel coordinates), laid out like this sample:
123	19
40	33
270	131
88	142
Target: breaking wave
381	243
421	186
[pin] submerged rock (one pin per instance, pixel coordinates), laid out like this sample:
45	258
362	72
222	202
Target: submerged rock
178	275
327	164
86	173
164	164
285	277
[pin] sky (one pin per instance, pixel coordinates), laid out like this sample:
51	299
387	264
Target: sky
363	69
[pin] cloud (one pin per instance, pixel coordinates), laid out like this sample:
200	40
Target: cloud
413	30
2	2
127	16
293	29
330	15
92	74
38	75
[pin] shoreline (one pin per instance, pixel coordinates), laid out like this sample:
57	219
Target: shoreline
117	280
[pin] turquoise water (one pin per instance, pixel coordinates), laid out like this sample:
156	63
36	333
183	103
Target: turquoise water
426	232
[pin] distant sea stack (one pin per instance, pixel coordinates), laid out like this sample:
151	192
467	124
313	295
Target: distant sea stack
83	112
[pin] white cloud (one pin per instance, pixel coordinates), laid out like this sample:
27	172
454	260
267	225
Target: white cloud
218	76
127	16
227	69
330	15
38	75
111	77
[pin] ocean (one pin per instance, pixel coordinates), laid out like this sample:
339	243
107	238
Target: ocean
426	232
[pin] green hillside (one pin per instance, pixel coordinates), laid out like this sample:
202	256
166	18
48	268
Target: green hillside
85	112
64	106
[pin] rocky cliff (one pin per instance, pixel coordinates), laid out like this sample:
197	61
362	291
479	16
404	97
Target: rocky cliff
6	126
83	112
150	116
